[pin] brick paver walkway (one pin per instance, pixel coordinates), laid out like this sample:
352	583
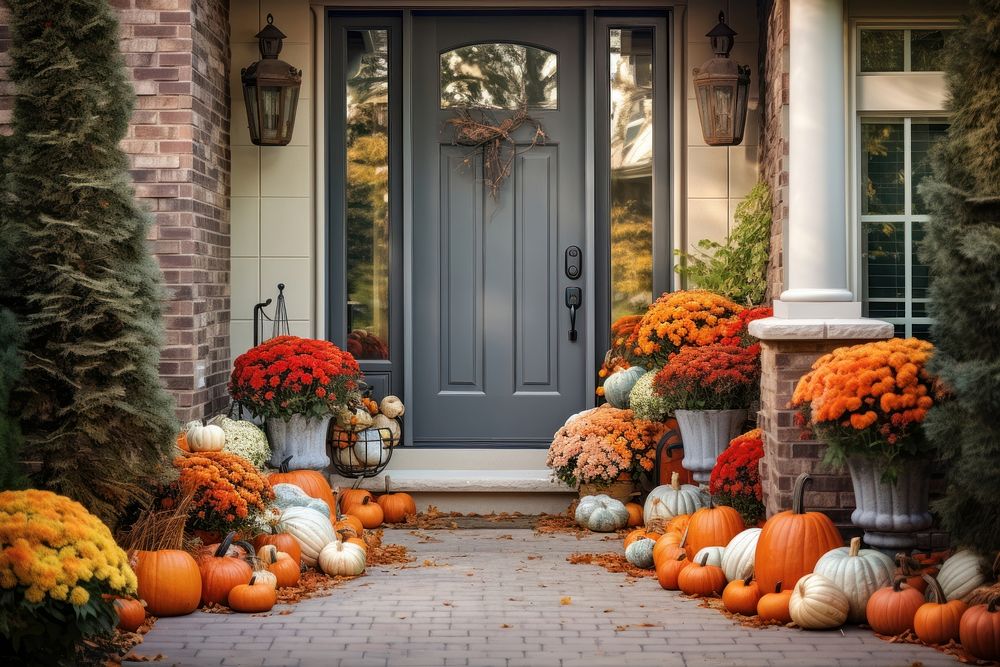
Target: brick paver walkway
494	597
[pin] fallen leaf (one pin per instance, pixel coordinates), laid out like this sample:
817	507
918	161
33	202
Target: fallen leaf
565	600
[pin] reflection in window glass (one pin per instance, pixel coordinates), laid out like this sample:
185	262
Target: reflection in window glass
926	47
367	224
499	76
882	50
923	136
882	168
631	67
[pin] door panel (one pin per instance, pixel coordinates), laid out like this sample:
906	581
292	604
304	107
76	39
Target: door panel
493	362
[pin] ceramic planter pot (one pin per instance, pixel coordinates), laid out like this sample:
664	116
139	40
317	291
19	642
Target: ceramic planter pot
890	514
301	438
705	434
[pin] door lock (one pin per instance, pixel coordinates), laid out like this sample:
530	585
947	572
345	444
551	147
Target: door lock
574	262
574	299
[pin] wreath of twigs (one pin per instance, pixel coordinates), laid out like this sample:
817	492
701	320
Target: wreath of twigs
480	129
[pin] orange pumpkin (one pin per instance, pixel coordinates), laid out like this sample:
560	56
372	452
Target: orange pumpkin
668	571
774	606
169	581
641	533
980	630
792	541
702	579
313	482
368	511
359	541
286	571
938	621
741	596
911	569
396	506
220	572
283	541
349	526
891	610
182	442
678	524
712	526
351	497
672	454
634	514
667	547
131	614
252	597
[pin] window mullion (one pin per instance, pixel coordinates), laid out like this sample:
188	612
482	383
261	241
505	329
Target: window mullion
908	219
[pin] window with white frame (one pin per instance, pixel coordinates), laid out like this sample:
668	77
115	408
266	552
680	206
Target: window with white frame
899	98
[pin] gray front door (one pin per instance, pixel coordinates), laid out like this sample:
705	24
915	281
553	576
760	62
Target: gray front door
493	362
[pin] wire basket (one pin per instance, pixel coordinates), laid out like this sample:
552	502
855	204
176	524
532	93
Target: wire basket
366	453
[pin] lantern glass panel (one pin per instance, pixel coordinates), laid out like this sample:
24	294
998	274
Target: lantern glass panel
253	110
270	114
722	110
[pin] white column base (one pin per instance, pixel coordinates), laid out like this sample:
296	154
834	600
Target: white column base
826	328
796	310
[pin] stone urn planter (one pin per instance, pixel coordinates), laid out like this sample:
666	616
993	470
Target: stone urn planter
890	514
304	439
705	434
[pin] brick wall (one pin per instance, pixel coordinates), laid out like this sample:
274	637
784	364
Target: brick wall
773	19
178	143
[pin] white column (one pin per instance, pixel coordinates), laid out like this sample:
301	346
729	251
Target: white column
815	248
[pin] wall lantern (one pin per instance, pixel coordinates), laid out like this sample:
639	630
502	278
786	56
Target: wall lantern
271	91
721	88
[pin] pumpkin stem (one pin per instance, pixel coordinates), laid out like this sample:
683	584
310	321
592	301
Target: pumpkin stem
675	481
897	584
799	493
936	592
855	546
684	537
251	552
682	555
704	560
748	580
253	579
283	466
994	603
777	587
224	545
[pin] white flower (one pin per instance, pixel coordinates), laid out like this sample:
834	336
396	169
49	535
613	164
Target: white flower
245	439
643	400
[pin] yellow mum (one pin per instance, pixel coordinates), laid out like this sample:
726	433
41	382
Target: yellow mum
51	545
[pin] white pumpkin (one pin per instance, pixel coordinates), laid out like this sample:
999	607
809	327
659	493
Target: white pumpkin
342	559
962	573
858	573
289	495
640	553
670	500
346	457
311	530
388	429
265	577
269	554
206	438
368	447
711	556
737	561
601	513
392	407
817	603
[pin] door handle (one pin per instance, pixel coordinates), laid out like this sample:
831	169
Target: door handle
574	299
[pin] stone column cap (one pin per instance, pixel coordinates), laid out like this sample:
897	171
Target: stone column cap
779	328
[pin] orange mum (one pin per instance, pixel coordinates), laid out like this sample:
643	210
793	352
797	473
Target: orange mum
882	386
676	319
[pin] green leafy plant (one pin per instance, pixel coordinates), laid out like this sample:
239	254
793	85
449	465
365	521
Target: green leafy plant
736	268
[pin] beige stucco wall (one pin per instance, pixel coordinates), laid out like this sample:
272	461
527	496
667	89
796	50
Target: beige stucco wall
275	233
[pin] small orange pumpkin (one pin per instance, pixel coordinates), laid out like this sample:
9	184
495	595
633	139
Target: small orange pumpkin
220	572
667	547
741	596
701	578
634	514
668	571
131	613
351	497
980	630
639	534
774	606
938	621
891	610
396	506
368	511
252	597
348	526
678	524
283	541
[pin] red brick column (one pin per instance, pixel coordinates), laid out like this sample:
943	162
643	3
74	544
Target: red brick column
178	144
